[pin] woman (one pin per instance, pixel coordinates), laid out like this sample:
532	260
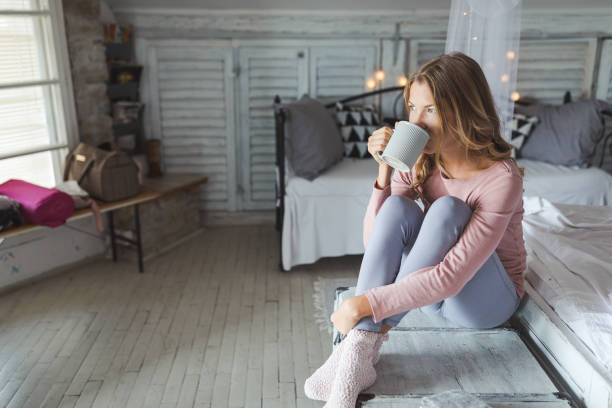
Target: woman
463	257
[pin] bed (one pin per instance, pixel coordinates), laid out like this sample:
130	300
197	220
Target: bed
566	313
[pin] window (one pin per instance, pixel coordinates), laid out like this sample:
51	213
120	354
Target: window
36	109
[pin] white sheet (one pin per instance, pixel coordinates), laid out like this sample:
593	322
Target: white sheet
569	185
569	263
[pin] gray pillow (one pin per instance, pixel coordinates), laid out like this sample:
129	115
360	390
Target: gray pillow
314	141
566	134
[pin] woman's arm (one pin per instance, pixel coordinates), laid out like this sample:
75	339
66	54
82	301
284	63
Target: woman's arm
384	176
399	185
481	236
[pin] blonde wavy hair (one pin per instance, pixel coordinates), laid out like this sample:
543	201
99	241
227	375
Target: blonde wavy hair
466	108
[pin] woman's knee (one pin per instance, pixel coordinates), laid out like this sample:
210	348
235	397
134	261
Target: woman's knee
398	208
449	211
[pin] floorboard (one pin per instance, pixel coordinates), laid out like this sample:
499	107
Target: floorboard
213	323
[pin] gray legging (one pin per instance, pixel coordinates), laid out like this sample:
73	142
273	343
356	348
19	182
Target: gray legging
403	240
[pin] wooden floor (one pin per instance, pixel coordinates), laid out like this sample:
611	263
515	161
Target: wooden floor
213	323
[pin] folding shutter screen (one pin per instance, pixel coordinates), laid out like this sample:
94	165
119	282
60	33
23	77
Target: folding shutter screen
547	68
340	71
324	71
422	51
194	116
265	72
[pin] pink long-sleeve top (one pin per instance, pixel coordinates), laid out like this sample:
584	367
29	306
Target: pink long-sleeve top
495	196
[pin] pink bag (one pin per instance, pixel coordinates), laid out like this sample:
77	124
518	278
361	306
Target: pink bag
39	205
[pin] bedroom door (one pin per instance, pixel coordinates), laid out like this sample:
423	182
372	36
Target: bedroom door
324	69
192	112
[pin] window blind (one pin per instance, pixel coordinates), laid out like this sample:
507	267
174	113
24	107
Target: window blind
30	127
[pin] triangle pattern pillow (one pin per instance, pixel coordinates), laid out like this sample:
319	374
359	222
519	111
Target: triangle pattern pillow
356	124
521	127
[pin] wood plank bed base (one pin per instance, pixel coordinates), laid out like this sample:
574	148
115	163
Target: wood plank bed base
426	355
567	360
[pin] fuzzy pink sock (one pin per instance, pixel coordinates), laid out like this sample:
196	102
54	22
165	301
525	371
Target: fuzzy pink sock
318	385
355	369
377	345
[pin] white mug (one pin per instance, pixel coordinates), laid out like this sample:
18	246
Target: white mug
405	146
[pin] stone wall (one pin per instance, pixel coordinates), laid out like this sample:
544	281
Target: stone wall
85	37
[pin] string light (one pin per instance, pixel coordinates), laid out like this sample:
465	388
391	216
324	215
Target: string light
505	78
402	81
475	38
370	83
380	75
465	13
510	54
515	96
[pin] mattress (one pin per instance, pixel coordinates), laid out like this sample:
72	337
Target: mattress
323	217
569	263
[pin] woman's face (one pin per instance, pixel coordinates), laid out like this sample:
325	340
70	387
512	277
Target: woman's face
422	112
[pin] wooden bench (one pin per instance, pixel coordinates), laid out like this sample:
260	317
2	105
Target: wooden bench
151	189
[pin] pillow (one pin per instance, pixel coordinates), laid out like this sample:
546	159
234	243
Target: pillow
566	134
521	127
314	140
356	124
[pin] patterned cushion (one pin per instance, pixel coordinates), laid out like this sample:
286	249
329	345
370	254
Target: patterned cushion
357	123
521	126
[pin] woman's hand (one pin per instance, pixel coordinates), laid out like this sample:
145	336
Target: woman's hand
349	313
378	141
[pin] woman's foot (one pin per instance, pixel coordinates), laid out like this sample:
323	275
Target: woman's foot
355	370
318	385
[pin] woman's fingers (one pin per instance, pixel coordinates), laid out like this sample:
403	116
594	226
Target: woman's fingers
379	140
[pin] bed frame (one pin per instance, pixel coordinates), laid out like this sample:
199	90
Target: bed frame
563	356
280	114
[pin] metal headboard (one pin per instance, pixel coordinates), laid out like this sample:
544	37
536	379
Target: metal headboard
279	120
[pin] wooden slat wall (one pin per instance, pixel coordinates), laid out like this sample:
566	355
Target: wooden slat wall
195	118
265	72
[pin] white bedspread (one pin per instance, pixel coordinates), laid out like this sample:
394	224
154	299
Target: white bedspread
569	263
324	217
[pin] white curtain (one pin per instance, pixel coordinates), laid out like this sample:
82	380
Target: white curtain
489	32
